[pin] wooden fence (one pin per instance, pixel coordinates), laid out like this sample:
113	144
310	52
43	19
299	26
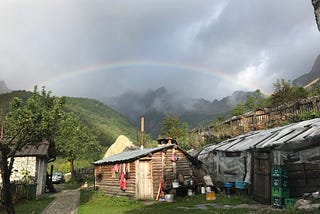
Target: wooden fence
84	174
267	117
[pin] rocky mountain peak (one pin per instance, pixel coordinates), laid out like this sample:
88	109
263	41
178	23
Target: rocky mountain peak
3	87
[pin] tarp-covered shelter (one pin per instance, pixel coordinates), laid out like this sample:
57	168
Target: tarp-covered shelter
121	144
250	157
142	173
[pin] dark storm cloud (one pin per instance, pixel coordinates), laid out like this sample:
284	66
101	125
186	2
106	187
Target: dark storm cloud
237	41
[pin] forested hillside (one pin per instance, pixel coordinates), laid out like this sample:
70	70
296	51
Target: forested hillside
7	97
107	123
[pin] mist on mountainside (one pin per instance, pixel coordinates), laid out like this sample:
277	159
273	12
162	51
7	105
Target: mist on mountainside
156	104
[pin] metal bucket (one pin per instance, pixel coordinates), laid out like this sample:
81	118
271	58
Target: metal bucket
169	197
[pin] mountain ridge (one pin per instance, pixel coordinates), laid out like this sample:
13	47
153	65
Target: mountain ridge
156	104
307	78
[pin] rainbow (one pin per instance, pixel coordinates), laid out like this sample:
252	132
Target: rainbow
152	65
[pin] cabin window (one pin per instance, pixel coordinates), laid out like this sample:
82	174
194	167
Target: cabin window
99	177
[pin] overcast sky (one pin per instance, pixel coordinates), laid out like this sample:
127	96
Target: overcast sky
204	48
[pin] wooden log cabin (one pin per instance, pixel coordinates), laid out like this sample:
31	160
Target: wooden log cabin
142	173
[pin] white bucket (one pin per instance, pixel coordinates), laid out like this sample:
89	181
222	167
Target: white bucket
203	190
175	184
208	189
169	197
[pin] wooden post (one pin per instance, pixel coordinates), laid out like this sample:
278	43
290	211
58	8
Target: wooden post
142	131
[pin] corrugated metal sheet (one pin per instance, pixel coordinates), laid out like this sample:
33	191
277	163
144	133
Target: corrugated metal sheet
131	155
34	150
293	134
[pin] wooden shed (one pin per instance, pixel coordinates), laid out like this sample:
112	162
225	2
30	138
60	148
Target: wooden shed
141	173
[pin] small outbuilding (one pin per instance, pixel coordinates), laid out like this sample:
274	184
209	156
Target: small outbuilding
31	163
251	157
144	173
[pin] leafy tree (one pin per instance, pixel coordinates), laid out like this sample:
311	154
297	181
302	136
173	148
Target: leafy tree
75	141
220	130
285	92
173	127
239	109
255	101
26	123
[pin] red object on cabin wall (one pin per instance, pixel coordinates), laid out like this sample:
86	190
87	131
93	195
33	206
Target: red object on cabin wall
123	181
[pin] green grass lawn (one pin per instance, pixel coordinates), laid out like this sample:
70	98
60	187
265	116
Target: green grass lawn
92	202
96	202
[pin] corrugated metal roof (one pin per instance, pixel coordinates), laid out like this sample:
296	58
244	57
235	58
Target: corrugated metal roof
131	155
293	134
33	150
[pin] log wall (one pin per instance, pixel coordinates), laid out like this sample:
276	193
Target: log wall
162	170
109	182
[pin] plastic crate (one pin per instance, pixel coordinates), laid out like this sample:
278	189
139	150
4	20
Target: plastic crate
279	182
279	172
228	185
280	192
277	202
241	184
289	202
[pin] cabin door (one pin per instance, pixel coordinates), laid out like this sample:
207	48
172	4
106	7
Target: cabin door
145	187
262	168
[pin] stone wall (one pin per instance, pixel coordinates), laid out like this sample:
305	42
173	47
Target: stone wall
21	164
36	167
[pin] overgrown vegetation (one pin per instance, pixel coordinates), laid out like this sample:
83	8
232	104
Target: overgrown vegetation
27	207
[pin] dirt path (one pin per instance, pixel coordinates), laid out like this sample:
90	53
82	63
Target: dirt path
65	202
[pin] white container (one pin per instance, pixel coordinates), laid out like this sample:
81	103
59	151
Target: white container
169	197
203	190
175	184
190	192
208	189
